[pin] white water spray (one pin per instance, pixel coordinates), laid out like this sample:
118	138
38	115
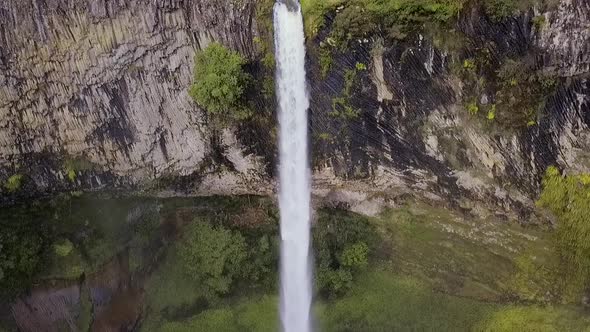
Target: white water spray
294	197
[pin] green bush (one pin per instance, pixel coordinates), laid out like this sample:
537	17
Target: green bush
220	82
63	248
568	198
20	260
213	255
14	183
342	243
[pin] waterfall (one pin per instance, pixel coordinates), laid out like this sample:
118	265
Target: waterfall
294	196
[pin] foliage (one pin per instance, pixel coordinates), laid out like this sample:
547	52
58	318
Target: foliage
499	10
535	279
568	198
492	113
213	255
472	108
21	259
220	82
341	107
355	255
14	183
519	93
541	319
342	245
353	22
73	165
256	315
326	60
539	22
358	18
63	247
469	64
314	12
72	175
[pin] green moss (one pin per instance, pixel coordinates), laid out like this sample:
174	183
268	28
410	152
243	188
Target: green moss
472	108
325	136
539	22
326	60
492	113
568	198
536	277
14	183
519	93
469	64
542	319
314	12
360	66
72	175
341	107
359	18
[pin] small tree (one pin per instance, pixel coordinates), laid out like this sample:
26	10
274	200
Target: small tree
213	255
220	81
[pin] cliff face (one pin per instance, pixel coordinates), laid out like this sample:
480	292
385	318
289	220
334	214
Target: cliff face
105	82
412	129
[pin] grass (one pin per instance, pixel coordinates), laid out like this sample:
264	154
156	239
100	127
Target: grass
435	271
452	253
384	301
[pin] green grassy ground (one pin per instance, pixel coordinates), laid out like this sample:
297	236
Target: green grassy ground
384	301
435	271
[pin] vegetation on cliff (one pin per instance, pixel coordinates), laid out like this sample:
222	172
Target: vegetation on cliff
220	82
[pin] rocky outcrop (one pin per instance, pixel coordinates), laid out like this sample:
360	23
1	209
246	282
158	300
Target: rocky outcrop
106	82
413	132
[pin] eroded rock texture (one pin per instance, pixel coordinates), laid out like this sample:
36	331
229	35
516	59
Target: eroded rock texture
106	82
413	131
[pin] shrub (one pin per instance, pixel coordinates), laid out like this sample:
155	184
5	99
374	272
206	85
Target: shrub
355	256
14	183
220	82
20	260
341	241
213	255
63	248
472	108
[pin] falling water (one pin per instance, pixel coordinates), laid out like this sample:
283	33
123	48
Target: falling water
294	173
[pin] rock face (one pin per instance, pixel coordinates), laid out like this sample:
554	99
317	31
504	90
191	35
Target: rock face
106	82
413	132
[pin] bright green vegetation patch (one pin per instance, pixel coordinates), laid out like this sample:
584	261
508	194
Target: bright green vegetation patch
255	314
519	92
14	183
383	301
568	198
73	165
220	82
452	253
359	17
